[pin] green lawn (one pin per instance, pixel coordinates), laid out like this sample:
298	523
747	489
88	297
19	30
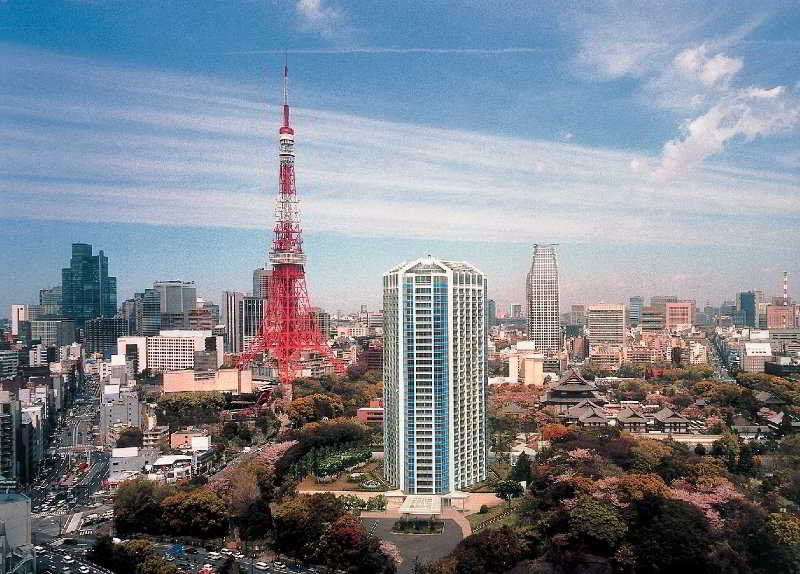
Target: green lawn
477	518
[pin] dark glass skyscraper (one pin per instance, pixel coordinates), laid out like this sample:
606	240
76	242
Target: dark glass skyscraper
87	290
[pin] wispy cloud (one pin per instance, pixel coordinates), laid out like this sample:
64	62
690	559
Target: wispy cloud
419	50
748	113
321	17
194	151
683	66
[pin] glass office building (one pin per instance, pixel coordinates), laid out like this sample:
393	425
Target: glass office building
87	291
435	383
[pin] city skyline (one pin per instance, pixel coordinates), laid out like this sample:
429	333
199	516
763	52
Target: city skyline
659	150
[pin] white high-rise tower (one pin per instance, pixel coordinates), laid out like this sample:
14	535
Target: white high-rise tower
544	327
434	376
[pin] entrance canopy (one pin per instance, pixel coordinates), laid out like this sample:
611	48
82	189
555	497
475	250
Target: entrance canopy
421	504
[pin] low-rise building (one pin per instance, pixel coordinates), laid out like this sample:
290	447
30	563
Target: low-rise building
154	437
373	414
755	356
233	381
668	421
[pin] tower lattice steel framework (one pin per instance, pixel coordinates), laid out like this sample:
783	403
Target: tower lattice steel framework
287	326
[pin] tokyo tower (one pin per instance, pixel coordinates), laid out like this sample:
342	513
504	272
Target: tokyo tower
287	326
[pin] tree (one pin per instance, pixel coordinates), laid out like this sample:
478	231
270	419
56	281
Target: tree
783	531
299	523
700	450
199	512
508	490
522	469
491	551
137	507
131	436
597	524
746	463
314	408
669	536
230	430
267	422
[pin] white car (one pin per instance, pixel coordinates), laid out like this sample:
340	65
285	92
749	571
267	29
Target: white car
261	565
84	569
68	559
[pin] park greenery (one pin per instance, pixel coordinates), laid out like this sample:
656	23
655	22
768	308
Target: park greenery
178	410
330	460
601	501
132	557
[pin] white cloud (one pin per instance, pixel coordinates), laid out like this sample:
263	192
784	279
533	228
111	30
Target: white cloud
749	113
320	18
192	152
696	65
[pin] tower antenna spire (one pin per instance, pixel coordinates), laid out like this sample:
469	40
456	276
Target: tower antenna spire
285	89
289	336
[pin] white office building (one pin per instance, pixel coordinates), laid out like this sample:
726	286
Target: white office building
544	319
175	350
434	376
606	324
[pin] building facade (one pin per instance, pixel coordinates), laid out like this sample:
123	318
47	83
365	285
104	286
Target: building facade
435	384
679	315
544	327
261	279
101	335
635	305
87	290
606	324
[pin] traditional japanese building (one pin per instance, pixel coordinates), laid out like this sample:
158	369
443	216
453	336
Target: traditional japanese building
632	420
571	390
587	414
667	420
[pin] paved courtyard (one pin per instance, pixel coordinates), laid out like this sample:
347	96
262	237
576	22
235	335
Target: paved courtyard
422	547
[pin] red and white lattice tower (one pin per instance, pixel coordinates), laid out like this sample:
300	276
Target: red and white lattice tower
287	327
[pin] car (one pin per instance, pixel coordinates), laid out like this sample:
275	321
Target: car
227	551
38	548
66	570
239	556
68	559
190	550
84	569
261	566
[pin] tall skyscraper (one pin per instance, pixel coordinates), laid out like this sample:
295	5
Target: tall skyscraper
87	289
542	289
101	334
434	376
18	314
177	299
148	313
242	316
635	305
50	301
747	308
491	312
261	279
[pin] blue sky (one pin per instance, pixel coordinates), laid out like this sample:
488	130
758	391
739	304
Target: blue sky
657	143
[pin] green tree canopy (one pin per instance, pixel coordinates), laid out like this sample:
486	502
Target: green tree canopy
131	436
